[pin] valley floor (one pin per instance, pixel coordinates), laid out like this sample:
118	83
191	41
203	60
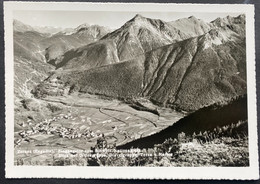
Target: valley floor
77	122
84	130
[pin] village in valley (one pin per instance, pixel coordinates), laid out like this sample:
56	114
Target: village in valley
86	127
165	87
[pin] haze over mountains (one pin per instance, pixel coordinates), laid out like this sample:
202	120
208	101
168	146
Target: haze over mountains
21	27
185	64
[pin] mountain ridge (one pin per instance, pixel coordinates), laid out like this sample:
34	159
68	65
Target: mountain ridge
187	74
135	37
203	69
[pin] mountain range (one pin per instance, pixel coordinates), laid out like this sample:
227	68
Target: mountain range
36	51
185	64
48	30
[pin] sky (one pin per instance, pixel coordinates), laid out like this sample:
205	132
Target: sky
72	19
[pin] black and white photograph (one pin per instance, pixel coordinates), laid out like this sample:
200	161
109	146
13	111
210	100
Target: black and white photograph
131	88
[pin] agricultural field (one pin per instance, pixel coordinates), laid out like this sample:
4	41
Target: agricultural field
78	121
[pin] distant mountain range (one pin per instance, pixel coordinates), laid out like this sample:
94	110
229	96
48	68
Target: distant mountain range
21	27
185	64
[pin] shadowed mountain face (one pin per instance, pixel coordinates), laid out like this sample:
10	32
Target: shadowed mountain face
197	72
205	119
185	75
136	37
121	80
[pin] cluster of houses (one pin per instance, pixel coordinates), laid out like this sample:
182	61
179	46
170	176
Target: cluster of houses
43	126
73	133
46	127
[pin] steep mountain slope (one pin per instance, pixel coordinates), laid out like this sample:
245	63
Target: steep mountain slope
34	50
18	26
59	43
53	46
26	45
28	74
30	67
135	37
205	119
191	26
198	71
186	75
96	54
29	62
141	34
236	24
121	80
29	70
